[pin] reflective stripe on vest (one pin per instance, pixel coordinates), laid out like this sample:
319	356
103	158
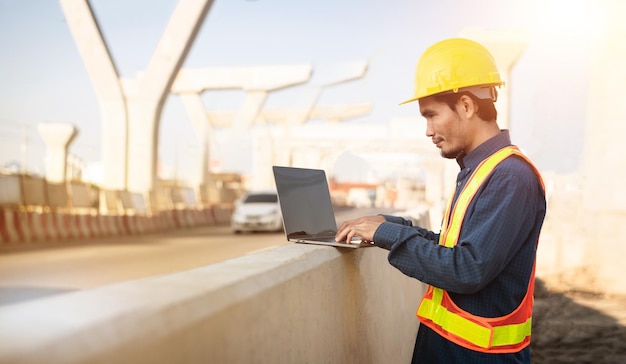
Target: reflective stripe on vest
505	334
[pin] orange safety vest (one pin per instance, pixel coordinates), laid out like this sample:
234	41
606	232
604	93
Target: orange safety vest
505	334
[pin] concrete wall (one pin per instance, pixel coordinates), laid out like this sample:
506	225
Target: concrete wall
293	304
582	239
603	198
580	248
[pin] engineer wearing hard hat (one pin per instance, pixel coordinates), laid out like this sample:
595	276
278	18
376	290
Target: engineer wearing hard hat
480	268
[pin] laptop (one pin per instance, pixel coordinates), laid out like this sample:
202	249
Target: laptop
308	215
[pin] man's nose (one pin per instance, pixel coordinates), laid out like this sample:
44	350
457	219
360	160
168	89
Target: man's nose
429	131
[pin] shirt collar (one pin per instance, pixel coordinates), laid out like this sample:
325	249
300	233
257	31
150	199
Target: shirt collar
484	150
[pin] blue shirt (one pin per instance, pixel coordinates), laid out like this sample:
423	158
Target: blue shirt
488	271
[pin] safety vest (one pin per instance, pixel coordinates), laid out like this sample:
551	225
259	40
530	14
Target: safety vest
505	334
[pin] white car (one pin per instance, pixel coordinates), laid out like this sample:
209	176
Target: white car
257	211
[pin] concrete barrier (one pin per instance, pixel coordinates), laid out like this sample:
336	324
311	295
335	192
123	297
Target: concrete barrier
95	226
139	203
9	226
57	195
59	221
130	224
81	195
292	304
171	218
34	222
83	222
34	191
182	219
69	226
10	190
34	210
108	225
23	226
145	224
208	216
120	226
110	202
222	214
51	226
18	225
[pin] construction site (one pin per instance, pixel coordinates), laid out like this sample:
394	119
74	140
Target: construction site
137	190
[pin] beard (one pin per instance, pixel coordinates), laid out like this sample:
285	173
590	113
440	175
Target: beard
452	153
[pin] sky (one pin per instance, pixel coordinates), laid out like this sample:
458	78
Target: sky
43	79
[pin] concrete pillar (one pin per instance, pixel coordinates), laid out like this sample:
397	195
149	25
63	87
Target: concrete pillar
329	157
260	170
265	149
145	108
506	46
57	137
339	113
130	113
264	78
306	157
103	74
252	105
256	81
200	121
603	196
435	189
331	113
336	74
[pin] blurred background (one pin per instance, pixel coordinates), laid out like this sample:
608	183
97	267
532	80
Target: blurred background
43	78
143	107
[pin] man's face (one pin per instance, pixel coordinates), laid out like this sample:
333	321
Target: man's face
445	127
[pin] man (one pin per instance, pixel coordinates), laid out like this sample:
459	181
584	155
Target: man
480	267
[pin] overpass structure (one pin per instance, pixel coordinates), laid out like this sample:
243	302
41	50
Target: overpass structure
131	108
257	82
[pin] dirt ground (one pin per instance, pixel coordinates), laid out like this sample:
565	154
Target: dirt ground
571	325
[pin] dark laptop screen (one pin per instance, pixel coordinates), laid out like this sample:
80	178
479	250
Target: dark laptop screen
305	202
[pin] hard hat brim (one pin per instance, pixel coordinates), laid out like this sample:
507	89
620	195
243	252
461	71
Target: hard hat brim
469	88
410	100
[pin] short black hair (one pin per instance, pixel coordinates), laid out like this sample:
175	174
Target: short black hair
486	108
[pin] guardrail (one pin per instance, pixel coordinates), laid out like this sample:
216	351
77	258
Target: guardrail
34	210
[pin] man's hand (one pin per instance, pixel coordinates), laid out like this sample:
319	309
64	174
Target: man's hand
365	227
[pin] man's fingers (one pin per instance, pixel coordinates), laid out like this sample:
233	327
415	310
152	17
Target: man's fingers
346	232
363	227
342	232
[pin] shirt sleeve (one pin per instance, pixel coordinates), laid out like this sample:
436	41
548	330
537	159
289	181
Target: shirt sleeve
386	236
495	226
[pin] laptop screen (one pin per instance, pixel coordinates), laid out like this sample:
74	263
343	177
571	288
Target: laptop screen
305	202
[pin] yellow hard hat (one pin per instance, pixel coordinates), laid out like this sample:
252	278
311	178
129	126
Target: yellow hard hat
452	64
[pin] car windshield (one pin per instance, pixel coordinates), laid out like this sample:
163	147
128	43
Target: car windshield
261	198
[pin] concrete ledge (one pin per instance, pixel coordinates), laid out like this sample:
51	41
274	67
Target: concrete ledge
291	304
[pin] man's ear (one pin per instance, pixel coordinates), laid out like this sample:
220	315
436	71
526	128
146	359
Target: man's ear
468	106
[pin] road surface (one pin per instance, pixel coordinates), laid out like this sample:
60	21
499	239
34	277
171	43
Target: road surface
32	271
